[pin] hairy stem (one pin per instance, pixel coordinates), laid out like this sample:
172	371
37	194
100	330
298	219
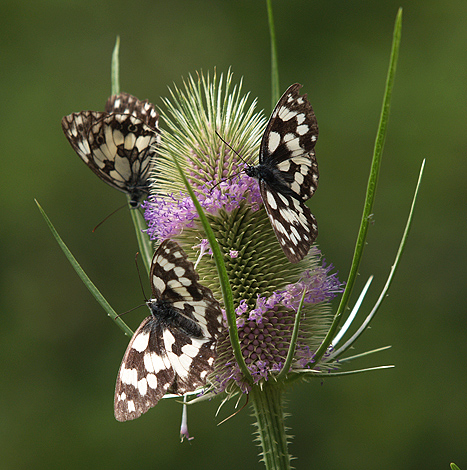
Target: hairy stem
267	403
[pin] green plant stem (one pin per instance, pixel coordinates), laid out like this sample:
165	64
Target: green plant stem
293	341
144	243
267	403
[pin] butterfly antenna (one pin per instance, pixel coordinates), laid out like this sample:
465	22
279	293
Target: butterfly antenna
110	215
231	148
225	179
139	275
128	311
236	153
141	284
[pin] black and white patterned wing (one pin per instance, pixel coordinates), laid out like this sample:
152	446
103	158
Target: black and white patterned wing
174	349
294	225
118	145
175	281
124	103
289	141
145	373
288	172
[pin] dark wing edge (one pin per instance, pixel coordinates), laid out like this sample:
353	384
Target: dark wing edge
124	103
104	143
76	127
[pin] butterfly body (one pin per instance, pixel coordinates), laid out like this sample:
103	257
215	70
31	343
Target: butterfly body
118	145
287	172
166	316
174	348
270	176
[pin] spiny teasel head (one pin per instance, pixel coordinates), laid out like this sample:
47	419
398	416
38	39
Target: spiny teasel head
265	331
266	287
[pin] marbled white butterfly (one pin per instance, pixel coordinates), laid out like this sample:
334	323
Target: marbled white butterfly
288	172
119	145
173	350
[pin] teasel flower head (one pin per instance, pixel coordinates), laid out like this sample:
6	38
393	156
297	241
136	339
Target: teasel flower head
266	287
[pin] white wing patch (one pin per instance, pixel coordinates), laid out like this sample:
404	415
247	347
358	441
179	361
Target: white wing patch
141	342
158	283
274	141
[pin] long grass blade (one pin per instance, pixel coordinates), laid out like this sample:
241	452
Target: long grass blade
84	277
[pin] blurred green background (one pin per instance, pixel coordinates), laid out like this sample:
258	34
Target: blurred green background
60	353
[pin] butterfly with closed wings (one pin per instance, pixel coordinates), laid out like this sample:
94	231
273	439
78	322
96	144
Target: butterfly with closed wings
174	348
287	172
118	145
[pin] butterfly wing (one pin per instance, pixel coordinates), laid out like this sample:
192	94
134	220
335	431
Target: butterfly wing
174	279
124	103
76	127
118	145
293	223
288	172
145	373
288	143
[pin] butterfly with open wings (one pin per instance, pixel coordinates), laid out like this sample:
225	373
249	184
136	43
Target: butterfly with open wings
287	172
118	145
174	348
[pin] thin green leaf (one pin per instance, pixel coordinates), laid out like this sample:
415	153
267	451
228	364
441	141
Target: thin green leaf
87	282
223	277
353	314
115	68
275	90
323	374
363	354
371	188
293	341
